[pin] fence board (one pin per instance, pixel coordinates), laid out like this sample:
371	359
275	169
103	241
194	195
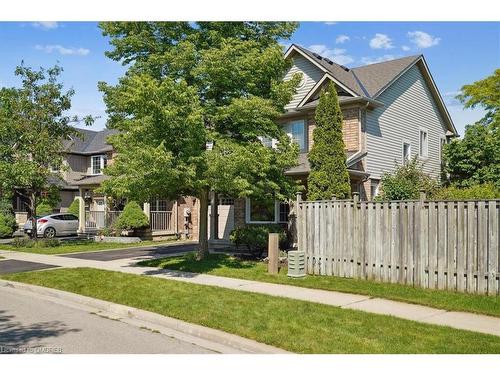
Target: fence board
493	248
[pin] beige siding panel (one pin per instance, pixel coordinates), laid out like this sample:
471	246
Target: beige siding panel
408	105
312	75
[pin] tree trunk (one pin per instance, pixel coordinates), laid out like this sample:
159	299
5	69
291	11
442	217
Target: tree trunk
203	227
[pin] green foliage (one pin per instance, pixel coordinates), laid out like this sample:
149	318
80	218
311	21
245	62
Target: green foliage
192	83
255	237
328	176
475	159
132	217
8	223
33	126
43	208
479	192
406	182
74	208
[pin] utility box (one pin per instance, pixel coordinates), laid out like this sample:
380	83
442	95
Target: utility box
296	263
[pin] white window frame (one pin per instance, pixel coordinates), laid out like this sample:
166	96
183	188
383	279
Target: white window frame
423	153
101	164
276	214
304	127
405	142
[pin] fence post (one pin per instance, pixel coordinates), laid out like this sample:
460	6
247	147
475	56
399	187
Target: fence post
273	253
422	195
147	210
294	221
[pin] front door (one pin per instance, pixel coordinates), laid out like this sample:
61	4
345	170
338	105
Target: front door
226	218
100	211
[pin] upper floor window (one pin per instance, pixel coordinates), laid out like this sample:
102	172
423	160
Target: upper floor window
296	130
98	163
423	150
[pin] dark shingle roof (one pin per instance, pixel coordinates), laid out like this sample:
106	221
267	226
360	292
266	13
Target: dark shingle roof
375	77
304	166
367	80
89	141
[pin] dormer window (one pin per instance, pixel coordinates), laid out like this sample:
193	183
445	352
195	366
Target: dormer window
98	163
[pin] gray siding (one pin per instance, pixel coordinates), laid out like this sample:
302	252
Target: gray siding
312	74
408	106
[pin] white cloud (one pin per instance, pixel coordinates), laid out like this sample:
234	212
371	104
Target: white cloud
330	23
63	50
341	39
337	55
422	39
46	25
373	60
381	41
405	48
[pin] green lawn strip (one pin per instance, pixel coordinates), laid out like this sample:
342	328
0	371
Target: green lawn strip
81	246
297	326
224	265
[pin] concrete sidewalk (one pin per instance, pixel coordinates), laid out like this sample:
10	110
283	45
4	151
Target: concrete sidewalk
460	320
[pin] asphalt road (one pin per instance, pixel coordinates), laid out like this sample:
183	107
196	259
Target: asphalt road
135	252
32	324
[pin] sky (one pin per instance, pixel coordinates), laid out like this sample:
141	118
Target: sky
457	53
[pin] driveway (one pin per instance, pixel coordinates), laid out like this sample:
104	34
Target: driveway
32	324
13	266
135	252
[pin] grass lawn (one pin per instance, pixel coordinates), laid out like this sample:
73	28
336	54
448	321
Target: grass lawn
224	265
80	246
297	326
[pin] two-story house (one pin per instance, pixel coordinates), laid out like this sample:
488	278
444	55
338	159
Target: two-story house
392	112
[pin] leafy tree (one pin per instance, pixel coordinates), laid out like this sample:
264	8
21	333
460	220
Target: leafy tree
328	176
33	125
475	159
43	208
406	182
190	85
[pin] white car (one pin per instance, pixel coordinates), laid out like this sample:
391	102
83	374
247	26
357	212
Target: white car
50	226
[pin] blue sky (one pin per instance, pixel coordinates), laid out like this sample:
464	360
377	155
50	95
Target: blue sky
457	53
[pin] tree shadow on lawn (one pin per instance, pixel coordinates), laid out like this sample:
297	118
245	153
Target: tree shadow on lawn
188	265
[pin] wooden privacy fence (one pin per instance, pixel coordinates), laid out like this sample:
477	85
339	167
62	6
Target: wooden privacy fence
451	245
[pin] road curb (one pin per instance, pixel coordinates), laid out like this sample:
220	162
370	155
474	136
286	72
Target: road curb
127	312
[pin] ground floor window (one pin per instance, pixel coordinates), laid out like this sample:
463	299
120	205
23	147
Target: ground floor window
266	211
159	205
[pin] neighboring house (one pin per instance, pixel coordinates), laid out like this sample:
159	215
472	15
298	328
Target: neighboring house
392	112
86	156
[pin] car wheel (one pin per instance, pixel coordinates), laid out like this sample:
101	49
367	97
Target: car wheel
49	232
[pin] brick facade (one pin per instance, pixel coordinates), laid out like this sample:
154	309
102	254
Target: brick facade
192	224
350	129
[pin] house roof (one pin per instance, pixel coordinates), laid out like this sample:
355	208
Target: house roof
89	142
375	77
369	81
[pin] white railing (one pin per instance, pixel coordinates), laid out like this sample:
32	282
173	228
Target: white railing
161	221
100	219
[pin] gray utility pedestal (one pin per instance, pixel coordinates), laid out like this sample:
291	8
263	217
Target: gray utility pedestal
296	263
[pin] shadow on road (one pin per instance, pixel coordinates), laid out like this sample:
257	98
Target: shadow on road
14	334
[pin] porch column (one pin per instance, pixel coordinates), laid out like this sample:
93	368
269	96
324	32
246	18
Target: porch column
214	217
147	210
81	212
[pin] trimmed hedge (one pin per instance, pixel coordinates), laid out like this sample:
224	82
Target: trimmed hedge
484	191
255	237
74	208
43	209
132	217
